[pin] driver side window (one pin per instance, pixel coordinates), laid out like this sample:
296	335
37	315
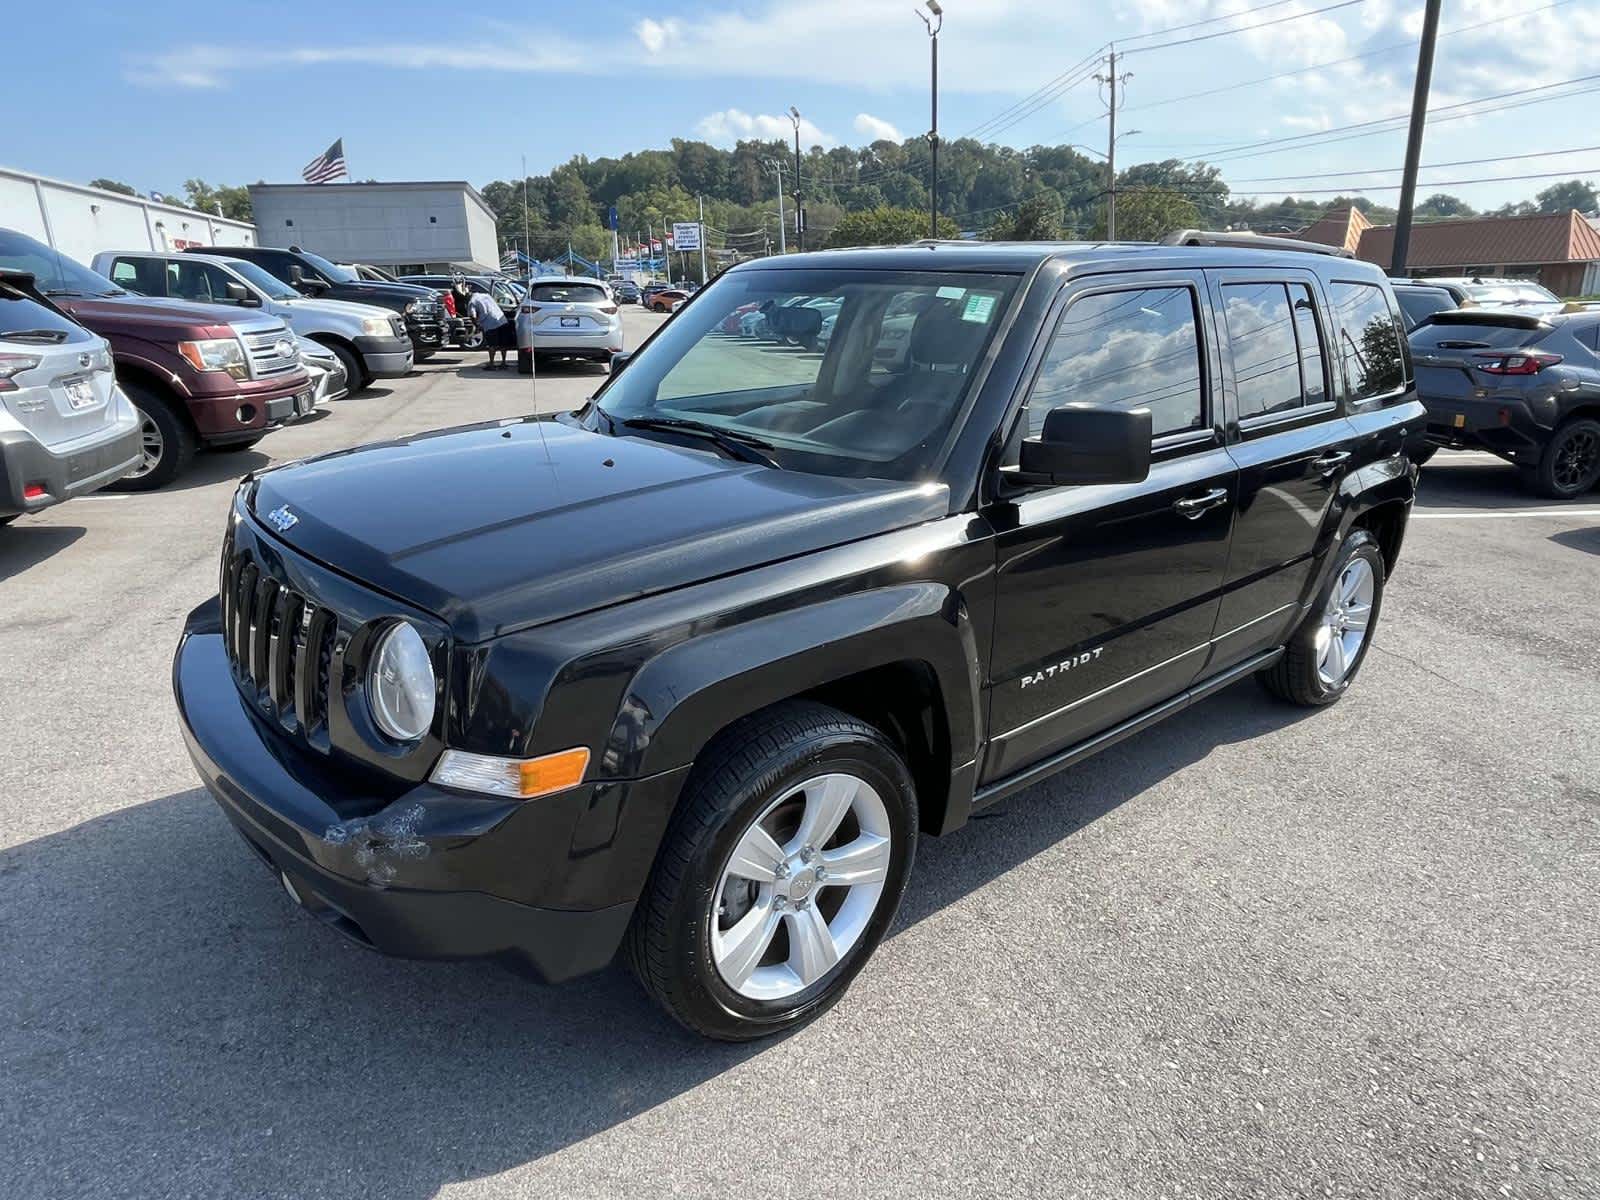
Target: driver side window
1133	348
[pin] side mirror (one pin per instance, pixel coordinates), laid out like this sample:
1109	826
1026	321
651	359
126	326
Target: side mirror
618	361
237	293
1088	445
297	276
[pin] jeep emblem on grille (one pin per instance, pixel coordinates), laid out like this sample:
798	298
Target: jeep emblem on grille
282	519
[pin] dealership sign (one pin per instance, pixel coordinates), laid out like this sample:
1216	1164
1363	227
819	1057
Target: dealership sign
685	235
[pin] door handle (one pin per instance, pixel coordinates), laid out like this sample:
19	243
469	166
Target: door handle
1331	461
1193	506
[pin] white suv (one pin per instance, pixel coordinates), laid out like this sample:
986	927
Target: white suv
567	317
65	426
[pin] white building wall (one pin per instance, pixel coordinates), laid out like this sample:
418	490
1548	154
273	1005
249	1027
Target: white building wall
82	221
387	224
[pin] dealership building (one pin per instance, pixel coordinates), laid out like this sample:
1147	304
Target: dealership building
431	226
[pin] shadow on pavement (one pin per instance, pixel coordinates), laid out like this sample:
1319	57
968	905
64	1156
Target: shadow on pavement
172	1015
1587	540
23	545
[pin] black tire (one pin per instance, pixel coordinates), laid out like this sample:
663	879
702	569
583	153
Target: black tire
6	520
419	355
1570	464
524	362
355	371
735	779
1419	457
1295	677
236	447
178	440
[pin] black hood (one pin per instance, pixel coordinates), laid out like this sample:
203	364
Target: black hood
500	526
389	295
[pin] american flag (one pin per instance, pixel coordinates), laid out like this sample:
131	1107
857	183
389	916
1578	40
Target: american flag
327	166
509	261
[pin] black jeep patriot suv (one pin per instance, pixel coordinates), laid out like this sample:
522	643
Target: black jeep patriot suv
685	673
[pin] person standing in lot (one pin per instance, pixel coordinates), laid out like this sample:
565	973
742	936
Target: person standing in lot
499	334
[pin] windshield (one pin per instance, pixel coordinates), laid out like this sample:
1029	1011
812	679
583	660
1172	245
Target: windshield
274	287
841	372
53	273
332	270
1511	293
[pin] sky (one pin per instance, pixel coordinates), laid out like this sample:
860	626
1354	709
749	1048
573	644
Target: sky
234	93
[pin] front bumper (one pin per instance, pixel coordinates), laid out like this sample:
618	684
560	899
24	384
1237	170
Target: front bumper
24	463
426	334
386	357
432	873
265	402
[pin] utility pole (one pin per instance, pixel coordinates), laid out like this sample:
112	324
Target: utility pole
776	164
934	25
703	241
799	207
1419	119
1111	79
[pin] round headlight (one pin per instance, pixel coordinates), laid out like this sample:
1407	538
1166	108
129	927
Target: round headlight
400	687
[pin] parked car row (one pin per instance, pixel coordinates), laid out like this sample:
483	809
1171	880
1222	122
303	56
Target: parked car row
206	348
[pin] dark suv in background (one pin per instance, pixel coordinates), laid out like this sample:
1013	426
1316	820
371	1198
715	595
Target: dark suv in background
312	275
687	672
1519	385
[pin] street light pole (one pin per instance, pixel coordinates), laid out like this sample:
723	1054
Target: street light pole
934	24
799	208
1419	118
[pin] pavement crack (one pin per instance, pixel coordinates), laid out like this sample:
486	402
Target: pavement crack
1423	667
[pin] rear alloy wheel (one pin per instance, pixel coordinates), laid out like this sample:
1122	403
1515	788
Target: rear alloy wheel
1325	652
1570	465
782	870
166	442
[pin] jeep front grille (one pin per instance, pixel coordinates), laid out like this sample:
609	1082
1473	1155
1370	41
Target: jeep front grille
280	645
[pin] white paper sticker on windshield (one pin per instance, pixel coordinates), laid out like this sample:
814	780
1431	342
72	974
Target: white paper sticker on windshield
978	308
950	293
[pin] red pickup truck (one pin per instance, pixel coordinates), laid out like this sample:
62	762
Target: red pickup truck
201	375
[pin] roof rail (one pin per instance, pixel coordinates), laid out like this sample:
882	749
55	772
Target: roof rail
1256	241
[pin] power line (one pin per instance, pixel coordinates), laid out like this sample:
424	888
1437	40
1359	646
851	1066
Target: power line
1340	61
1460	162
1206	37
1317	136
1181	188
1038	98
1205	21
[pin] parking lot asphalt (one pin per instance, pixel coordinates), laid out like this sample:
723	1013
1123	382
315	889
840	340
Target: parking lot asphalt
1252	952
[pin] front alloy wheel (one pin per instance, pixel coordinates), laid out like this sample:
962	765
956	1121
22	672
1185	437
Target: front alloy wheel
800	887
781	871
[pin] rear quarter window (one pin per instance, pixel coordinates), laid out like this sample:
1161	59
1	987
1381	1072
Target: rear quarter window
1370	347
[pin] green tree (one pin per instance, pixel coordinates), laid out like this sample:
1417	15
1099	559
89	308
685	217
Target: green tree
1442	204
1038	219
1570	193
113	185
886	226
1149	214
234	201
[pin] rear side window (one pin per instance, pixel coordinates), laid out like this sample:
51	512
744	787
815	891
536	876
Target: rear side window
567	293
1369	340
1422	303
1277	347
1127	349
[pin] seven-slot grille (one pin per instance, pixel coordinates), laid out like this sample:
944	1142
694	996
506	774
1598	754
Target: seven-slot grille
263	348
280	645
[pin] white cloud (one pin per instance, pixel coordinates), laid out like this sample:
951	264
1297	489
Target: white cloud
876	129
733	125
654	35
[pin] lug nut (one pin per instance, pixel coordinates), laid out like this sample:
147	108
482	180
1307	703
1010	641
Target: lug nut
807	854
822	873
782	870
779	903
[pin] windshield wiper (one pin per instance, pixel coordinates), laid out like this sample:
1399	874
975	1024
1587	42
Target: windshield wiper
65	292
746	447
48	336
